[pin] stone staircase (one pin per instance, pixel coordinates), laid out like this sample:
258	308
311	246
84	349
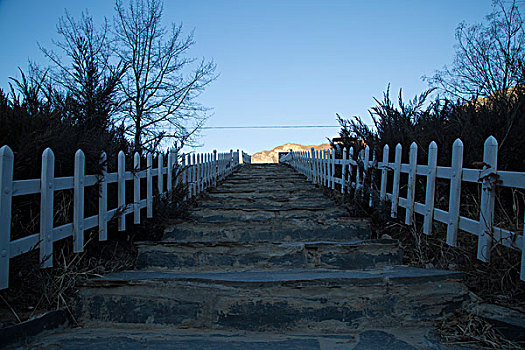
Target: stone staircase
267	251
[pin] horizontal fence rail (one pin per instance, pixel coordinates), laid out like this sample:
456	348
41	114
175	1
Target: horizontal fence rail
354	172
197	171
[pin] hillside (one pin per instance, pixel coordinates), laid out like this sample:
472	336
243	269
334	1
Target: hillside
272	156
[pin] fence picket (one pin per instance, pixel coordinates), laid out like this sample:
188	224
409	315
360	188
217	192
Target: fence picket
78	202
103	199
397	177
522	269
121	190
350	169
455	193
136	188
149	186
160	173
47	189
332	172
372	179
488	196
384	174
409	212
358	175
169	176
430	188
6	191
366	164
343	171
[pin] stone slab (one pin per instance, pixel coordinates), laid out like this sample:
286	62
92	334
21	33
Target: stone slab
270	230
167	338
200	256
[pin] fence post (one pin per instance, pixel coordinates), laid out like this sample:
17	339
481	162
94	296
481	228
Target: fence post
522	269
6	192
176	165
47	188
169	176
149	185
333	170
358	175
136	188
230	163
430	188
366	165
397	176
455	192
318	167
350	169
78	202
200	168
327	167
160	171
488	196
103	200
384	174
312	165
121	190
206	161
184	173
372	178
343	171
215	167
323	175
409	212
193	175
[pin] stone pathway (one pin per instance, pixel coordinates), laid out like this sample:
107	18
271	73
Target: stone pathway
266	261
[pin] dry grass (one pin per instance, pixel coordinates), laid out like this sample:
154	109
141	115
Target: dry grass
467	329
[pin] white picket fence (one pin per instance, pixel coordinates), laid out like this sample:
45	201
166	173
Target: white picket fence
197	171
320	167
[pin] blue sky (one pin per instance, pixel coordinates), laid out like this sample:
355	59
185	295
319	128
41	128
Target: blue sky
284	62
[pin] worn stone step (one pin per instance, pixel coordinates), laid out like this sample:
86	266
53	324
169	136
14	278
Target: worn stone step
253	187
272	230
309	196
274	174
224	256
218	215
325	300
168	338
270	204
250	178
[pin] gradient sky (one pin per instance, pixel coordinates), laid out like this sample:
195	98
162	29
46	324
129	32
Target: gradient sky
281	62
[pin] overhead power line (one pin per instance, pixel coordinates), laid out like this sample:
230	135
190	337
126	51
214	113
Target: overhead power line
272	127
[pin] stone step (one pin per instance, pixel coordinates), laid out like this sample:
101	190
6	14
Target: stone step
272	230
168	338
271	204
229	256
218	215
249	178
310	196
321	300
254	187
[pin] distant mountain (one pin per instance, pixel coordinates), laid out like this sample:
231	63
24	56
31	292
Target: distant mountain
273	155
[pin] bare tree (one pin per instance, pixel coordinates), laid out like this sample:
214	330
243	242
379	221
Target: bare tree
489	57
86	83
162	83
